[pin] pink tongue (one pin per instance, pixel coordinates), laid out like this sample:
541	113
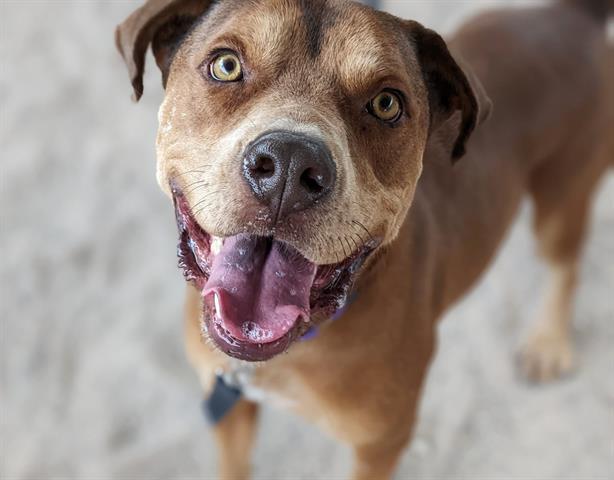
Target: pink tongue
259	289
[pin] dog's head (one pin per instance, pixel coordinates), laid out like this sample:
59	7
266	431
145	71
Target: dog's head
291	139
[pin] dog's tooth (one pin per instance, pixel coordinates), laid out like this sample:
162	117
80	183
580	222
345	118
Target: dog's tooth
216	245
217	305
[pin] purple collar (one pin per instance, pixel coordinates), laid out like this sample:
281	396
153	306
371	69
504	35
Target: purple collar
313	332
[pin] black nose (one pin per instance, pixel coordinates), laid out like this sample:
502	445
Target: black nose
289	171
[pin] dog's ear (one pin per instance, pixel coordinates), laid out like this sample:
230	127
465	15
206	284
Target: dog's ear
449	89
161	23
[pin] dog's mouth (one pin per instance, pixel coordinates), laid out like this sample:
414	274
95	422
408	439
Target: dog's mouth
259	293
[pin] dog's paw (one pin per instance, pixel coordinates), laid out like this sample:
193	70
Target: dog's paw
546	356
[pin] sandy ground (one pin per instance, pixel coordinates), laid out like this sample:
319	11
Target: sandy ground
94	383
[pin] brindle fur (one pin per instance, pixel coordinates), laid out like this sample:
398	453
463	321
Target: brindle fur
311	67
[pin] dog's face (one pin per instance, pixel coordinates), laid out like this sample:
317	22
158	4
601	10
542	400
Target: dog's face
291	140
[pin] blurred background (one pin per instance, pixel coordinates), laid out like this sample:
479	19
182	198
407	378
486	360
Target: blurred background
94	384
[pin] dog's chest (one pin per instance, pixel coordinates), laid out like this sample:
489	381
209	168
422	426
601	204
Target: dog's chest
257	389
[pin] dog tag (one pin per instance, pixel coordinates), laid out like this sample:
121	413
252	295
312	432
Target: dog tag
222	400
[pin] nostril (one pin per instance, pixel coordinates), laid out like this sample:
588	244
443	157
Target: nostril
264	167
288	172
312	181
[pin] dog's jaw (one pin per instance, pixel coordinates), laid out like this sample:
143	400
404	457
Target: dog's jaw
259	294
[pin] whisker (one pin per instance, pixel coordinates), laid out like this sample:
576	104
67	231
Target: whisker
364	228
342	246
194	183
354	233
330	245
348	244
204	198
196	188
356	245
188	172
223	184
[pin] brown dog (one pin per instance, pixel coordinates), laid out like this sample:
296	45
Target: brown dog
313	149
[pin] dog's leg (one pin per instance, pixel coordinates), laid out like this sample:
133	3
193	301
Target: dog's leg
235	438
235	433
378	458
377	461
560	224
548	352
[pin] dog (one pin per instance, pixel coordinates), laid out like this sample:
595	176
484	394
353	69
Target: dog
341	177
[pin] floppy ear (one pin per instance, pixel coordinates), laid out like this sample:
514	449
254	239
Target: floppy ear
449	89
161	23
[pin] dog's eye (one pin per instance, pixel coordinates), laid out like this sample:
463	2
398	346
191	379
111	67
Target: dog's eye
226	67
386	106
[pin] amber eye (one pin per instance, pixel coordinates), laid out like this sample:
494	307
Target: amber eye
226	67
387	106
